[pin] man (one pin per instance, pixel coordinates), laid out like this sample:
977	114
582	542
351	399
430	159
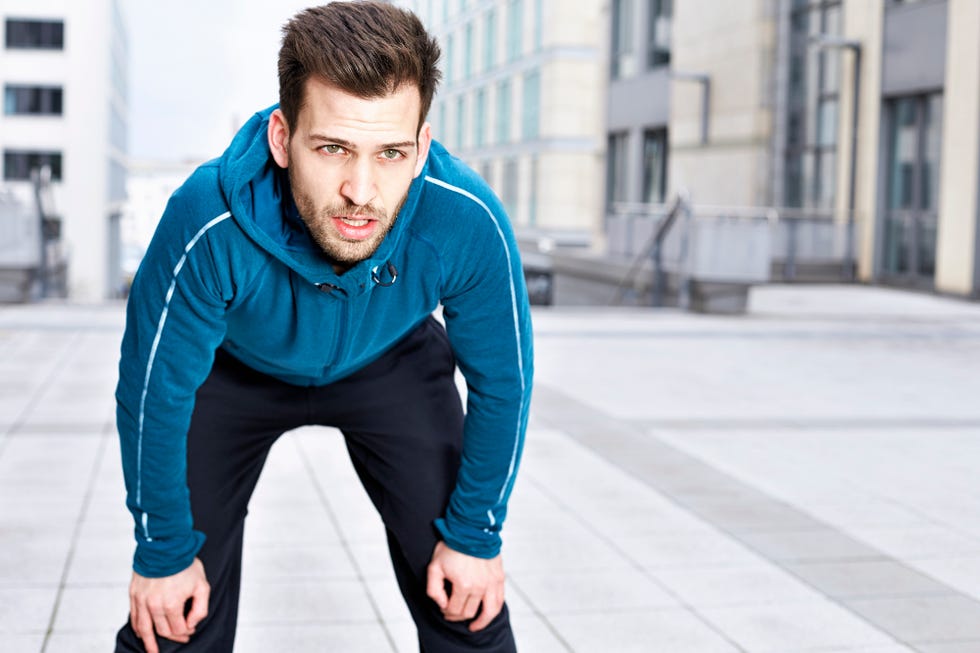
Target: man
292	282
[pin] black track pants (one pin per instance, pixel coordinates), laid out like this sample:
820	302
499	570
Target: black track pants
402	421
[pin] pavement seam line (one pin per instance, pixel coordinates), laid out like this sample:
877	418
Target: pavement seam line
42	387
82	513
540	615
579	433
686	605
348	551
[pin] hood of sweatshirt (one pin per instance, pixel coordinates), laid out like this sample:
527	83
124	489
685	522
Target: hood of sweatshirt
257	191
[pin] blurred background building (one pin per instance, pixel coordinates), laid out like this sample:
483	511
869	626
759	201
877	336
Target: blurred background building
521	102
643	148
63	72
847	129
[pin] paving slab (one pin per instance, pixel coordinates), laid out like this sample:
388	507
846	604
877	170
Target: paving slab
800	478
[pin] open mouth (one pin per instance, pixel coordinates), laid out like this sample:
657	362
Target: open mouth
355	228
355	222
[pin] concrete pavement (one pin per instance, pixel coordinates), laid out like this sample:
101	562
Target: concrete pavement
801	478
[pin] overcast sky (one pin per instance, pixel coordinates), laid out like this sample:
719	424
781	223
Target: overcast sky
198	68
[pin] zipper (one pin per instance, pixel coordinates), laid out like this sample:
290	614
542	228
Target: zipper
342	333
330	288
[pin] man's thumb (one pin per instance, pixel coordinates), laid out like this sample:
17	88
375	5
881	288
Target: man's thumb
436	585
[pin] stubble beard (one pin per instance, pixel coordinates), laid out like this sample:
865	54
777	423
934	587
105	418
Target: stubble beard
339	249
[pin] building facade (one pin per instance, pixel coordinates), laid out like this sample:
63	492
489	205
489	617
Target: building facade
860	117
63	71
521	103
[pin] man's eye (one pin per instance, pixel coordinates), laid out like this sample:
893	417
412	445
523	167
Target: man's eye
332	149
391	155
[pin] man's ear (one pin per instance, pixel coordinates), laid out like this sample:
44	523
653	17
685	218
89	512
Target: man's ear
279	138
425	140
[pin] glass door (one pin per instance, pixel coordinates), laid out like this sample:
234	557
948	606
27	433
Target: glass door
914	148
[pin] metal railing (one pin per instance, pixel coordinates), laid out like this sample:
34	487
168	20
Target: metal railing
32	261
18	232
727	244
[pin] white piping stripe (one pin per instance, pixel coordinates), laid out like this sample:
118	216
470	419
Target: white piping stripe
517	328
152	357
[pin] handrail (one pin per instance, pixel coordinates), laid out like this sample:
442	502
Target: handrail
652	246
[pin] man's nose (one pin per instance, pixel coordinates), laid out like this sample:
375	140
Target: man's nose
359	188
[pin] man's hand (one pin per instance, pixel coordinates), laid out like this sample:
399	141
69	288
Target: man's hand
473	581
158	604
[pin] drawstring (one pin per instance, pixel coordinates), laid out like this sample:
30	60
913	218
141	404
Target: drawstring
392	270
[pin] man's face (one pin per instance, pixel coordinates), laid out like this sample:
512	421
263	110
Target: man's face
350	163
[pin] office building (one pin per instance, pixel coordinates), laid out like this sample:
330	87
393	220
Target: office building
521	102
63	72
858	119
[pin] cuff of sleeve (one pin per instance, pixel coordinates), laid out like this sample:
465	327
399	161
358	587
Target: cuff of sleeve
474	542
157	558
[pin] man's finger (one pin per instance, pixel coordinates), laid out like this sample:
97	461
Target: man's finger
199	606
161	625
436	586
144	628
471	606
463	603
493	603
179	632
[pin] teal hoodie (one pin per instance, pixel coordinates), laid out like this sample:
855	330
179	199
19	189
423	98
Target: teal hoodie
232	265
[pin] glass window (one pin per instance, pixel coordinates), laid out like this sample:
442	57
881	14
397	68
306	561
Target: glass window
532	105
616	168
658	32
903	154
17	164
503	112
914	149
468	52
486	171
932	150
808	178
32	100
623	59
532	200
797	76
480	118
654	166
441	133
832	19
514	29
509	189
538	25
35	34
793	181
460	121
449	58
826	179
489	40
830	67
813	106
827	122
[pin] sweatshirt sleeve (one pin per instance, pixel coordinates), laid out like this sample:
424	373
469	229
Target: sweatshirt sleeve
488	321
174	323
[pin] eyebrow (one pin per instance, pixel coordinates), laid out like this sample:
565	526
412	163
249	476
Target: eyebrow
351	146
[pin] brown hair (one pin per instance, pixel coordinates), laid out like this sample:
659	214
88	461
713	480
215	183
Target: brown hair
367	49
